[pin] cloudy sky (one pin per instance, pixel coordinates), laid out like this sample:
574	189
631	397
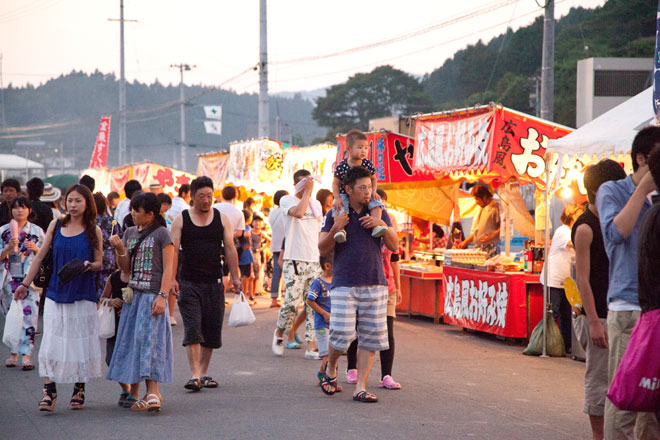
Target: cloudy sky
41	39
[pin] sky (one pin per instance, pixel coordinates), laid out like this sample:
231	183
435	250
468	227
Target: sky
42	39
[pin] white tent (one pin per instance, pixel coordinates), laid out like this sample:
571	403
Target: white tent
611	133
14	162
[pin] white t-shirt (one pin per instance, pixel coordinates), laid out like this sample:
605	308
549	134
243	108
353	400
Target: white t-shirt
302	235
178	206
234	214
275	218
559	258
122	210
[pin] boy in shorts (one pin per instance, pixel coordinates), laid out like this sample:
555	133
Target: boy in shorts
318	299
357	148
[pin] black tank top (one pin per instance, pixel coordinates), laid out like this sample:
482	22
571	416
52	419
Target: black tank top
202	247
600	264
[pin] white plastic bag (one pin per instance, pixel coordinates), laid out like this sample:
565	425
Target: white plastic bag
106	315
13	325
241	312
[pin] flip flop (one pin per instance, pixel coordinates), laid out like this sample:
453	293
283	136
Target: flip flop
208	382
331	382
365	397
10	363
27	366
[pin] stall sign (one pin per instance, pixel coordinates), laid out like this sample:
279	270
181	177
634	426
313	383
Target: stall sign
484	301
319	160
214	166
392	155
255	164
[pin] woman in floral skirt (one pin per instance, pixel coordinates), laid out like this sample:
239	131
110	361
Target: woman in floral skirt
109	227
143	349
15	258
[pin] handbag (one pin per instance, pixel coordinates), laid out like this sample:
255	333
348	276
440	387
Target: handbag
127	292
106	314
636	384
241	312
13	325
46	267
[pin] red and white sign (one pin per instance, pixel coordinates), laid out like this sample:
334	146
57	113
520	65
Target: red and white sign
100	154
486	301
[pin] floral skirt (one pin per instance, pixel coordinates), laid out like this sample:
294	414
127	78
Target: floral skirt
70	349
143	349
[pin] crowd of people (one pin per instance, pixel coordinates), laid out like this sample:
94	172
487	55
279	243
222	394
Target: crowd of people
332	258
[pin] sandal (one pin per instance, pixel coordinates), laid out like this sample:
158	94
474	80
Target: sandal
193	385
292	345
319	376
130	401
329	382
78	398
208	382
48	400
139	405
153	403
122	398
365	397
27	366
389	383
10	363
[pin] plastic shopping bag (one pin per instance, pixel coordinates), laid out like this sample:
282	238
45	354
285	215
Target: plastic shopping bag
106	314
636	384
241	312
13	325
554	344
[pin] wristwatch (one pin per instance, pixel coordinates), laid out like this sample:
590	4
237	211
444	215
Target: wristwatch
163	294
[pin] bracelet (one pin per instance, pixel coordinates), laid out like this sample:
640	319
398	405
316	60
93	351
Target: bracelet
24	285
122	255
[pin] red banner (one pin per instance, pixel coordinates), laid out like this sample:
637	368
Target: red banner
100	154
392	155
486	301
493	142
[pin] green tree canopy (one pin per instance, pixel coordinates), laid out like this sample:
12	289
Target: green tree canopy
382	92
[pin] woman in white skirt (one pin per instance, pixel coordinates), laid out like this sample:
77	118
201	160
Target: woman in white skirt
70	349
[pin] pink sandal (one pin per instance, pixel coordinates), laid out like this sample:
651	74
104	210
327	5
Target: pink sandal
389	383
352	376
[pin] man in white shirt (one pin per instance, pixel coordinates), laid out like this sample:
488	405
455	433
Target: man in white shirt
302	224
277	227
181	203
123	209
236	219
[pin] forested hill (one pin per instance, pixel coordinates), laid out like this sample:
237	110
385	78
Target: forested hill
620	28
68	110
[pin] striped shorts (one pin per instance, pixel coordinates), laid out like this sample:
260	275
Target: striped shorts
366	306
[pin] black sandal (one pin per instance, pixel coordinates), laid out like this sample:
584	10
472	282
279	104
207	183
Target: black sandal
193	385
49	397
208	382
122	398
363	396
78	398
329	382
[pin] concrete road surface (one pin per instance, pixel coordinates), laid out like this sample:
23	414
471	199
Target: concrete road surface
456	385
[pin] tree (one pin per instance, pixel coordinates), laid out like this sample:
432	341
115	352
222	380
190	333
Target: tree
382	92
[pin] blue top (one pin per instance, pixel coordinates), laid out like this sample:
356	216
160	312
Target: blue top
611	198
358	261
319	293
83	286
245	242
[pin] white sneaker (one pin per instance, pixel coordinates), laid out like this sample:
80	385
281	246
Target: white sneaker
340	237
379	231
278	345
313	355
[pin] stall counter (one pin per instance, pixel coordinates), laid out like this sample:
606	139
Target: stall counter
421	291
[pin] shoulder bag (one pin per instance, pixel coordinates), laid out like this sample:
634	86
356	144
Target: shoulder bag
46	267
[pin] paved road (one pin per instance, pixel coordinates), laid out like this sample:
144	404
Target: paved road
456	385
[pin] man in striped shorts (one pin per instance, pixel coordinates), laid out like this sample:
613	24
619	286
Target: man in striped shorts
358	291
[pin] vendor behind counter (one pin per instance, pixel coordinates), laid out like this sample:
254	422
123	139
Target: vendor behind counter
486	226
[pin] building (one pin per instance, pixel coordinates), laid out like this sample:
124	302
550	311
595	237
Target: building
604	83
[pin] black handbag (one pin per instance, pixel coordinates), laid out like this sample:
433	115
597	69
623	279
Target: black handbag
46	267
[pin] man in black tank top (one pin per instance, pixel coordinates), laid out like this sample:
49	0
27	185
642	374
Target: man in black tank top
204	235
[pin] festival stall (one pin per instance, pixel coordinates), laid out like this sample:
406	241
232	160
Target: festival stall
418	194
214	165
497	146
146	173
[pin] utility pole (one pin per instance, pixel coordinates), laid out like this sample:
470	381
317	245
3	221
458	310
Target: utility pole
3	120
181	68
264	117
548	63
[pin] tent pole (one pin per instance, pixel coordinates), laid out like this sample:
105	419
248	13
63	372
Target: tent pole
545	253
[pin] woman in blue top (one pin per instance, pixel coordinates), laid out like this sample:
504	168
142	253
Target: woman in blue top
70	350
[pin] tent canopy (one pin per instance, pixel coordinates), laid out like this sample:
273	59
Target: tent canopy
611	133
14	162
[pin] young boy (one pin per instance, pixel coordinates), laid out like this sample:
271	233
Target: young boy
258	242
357	148
246	259
318	299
